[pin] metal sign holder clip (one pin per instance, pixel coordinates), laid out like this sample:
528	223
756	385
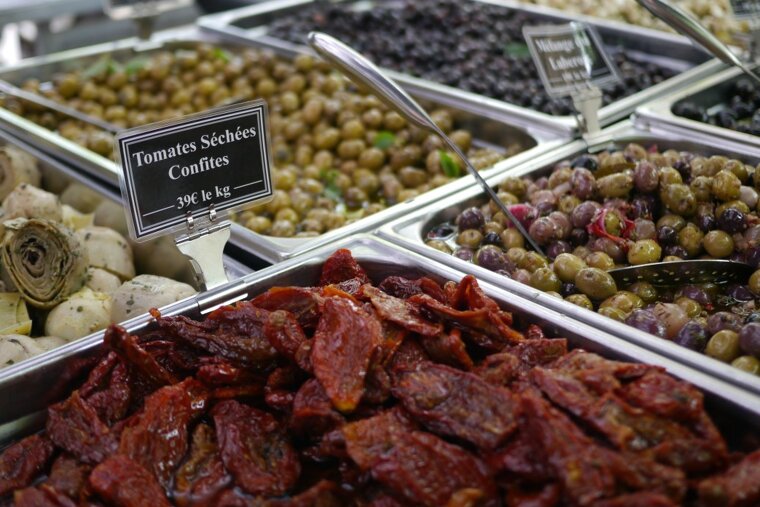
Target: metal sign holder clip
587	102
205	249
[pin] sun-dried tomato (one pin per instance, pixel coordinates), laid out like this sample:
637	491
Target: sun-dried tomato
408	355
404	288
456	403
284	333
483	326
341	266
393	337
343	344
112	402
23	461
42	496
313	413
281	387
518	459
739	486
580	360
368	440
426	470
255	449
548	495
661	394
638	500
571	455
470	296
219	372
123	483
234	333
202	477
499	369
302	303
73	425
322	494
129	350
539	351
157	437
637	472
448	348
68	476
401	312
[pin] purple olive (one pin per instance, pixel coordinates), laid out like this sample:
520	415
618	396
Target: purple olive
492	258
491	238
464	253
692	335
749	339
583	183
578	237
643	229
583	213
696	293
752	256
543	230
586	161
643	206
666	235
645	320
471	218
609	247
443	231
522	276
706	222
723	320
562	222
568	289
676	251
558	247
646	176
752	317
732	221
739	293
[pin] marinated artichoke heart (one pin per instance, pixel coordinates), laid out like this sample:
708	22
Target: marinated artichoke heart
14	317
15	348
28	201
107	249
101	280
83	313
144	292
81	197
75	220
16	167
44	260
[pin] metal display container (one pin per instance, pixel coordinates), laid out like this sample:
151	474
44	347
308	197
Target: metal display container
234	269
674	51
495	131
708	93
409	232
46	378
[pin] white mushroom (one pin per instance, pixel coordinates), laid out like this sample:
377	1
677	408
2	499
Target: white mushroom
144	292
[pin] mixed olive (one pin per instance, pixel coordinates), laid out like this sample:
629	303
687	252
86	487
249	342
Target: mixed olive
339	153
474	46
629	207
739	110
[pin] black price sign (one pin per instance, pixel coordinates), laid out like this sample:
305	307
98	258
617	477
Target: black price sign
745	9
188	168
570	58
124	9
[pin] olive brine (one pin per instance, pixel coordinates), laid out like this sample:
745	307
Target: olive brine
629	207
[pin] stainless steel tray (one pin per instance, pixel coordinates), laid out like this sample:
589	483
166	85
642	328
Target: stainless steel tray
380	259
234	269
677	52
709	93
487	128
409	232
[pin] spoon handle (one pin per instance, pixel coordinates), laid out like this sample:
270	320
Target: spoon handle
685	23
360	70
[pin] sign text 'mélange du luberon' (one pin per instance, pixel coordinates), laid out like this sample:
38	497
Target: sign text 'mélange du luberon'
187	167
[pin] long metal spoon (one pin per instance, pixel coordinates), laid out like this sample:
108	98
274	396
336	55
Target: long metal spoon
360	69
686	24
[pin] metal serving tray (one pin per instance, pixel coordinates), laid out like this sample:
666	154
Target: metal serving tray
708	93
409	232
234	269
250	24
488	130
39	380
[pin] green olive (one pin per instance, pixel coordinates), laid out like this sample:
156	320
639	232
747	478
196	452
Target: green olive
613	313
690	238
470	238
724	346
259	224
750	364
514	186
754	282
675	221
615	185
600	260
701	187
726	186
567	266
736	204
494	227
511	238
438	245
624	301
679	199
595	283
534	261
718	244
644	251
691	307
518	256
581	300
646	291
545	280
669	176
567	203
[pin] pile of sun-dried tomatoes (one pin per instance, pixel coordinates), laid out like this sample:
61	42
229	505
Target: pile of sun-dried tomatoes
407	393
